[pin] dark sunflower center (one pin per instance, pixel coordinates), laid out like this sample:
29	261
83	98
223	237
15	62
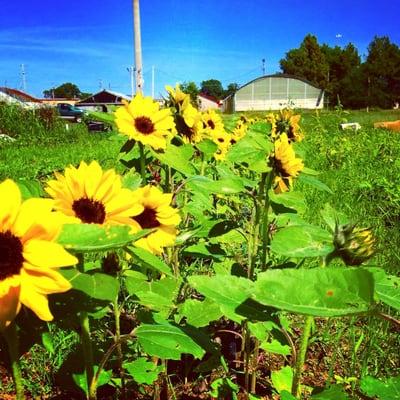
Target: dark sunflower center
182	128
147	219
144	125
221	140
11	258
281	169
211	124
89	211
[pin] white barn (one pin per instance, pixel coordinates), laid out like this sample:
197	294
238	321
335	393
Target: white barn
274	92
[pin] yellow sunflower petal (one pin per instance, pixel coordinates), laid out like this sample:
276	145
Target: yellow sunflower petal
9	303
37	302
10	200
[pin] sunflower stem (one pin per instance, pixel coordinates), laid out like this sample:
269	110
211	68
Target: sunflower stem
265	224
87	353
117	338
142	162
298	369
12	339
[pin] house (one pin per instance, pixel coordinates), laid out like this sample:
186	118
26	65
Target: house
206	102
19	97
101	100
274	92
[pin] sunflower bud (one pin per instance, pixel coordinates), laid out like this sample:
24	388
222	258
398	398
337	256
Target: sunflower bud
353	244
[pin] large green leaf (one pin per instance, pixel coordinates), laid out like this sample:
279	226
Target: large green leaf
96	285
167	341
282	379
312	181
178	158
232	294
324	292
149	260
200	313
387	287
229	185
389	390
143	371
334	392
30	189
332	217
93	237
302	241
292	200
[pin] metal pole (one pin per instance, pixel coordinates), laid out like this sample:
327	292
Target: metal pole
138	47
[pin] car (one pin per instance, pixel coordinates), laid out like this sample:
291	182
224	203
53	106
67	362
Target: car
68	111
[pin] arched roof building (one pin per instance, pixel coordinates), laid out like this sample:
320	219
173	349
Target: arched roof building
274	92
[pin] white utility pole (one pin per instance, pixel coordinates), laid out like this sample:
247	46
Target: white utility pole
138	47
152	82
23	77
131	71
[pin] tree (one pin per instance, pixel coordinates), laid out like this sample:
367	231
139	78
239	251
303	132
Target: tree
383	72
212	87
231	88
191	89
66	90
308	61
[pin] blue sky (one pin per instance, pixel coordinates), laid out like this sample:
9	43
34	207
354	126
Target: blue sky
90	42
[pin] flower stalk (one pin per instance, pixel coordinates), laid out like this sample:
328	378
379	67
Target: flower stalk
87	352
12	339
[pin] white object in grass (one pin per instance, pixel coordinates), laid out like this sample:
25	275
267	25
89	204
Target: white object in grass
351	125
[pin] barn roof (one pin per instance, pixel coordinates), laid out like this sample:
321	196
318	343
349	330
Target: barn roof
19	95
104	97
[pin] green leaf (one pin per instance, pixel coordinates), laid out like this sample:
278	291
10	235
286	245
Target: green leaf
96	285
389	390
178	158
208	147
292	200
200	313
223	186
131	180
228	291
324	292
316	183
143	371
47	341
150	260
285	395
387	287
334	392
213	251
276	347
30	189
331	216
167	341
93	237
282	379
302	241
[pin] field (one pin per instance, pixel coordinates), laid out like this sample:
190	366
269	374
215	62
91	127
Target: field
348	349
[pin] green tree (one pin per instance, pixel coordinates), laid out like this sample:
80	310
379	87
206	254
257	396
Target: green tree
212	87
308	61
231	88
383	72
191	89
341	62
66	90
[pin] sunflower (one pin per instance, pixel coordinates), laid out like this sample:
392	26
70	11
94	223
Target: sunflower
212	121
189	125
159	215
93	196
29	256
177	98
142	120
286	165
289	123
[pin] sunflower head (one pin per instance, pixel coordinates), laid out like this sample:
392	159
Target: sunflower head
29	255
212	121
285	164
177	98
353	244
143	121
288	122
157	214
90	195
189	125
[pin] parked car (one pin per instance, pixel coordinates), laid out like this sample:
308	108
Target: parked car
68	111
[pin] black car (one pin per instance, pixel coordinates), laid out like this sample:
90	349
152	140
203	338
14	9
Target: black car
68	111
